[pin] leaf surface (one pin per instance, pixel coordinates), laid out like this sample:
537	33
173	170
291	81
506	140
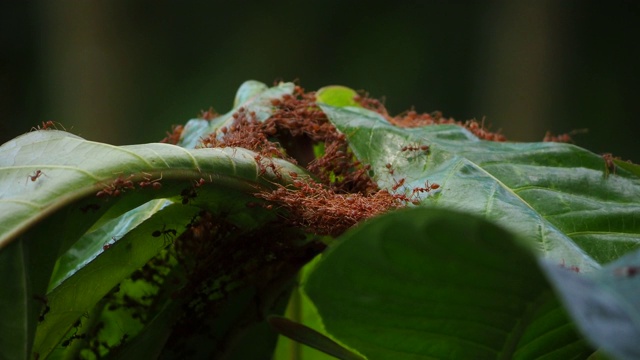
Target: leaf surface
252	95
556	196
433	283
42	219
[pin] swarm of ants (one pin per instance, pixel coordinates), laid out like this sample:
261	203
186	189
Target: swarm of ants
341	192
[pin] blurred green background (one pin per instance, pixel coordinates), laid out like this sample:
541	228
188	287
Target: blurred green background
123	71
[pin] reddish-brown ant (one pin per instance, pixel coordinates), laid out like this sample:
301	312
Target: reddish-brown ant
610	166
427	187
573	268
117	187
199	183
627	271
107	244
173	137
153	183
398	184
46	125
35	175
389	168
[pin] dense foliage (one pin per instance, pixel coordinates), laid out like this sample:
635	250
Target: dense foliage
319	216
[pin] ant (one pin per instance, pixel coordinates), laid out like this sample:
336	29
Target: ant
427	187
571	268
35	175
108	245
389	168
47	125
398	184
117	187
166	233
627	271
153	183
609	164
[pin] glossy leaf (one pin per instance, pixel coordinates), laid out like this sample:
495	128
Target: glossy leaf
337	95
253	96
310	337
41	219
432	283
556	196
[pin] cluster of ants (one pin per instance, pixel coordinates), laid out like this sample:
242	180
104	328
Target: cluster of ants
343	192
121	184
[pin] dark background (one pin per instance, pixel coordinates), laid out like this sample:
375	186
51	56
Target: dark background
123	71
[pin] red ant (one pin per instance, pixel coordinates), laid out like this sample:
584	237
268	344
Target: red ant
153	183
388	166
199	183
427	187
609	164
571	268
270	165
627	271
108	245
117	187
36	175
398	184
46	125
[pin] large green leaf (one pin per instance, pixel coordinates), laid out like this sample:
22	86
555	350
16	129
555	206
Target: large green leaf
559	197
42	218
433	283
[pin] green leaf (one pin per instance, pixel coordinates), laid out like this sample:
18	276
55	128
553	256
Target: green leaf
253	96
433	283
628	166
301	310
337	95
556	196
310	337
42	219
95	276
